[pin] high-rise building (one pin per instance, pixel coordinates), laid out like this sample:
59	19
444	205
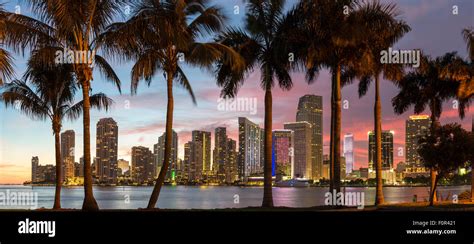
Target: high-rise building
142	165
106	150
34	169
159	153
193	160
79	169
416	127
202	153
231	173
67	154
187	162
310	109
343	168
326	167
282	151
220	153
251	155
387	150
42	173
302	148
349	152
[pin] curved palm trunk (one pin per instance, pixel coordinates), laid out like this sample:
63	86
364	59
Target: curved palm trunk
433	192
89	203
57	148
267	171
335	155
379	199
168	140
433	180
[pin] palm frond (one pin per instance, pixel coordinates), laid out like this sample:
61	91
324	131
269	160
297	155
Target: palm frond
6	66
107	71
99	101
181	78
18	95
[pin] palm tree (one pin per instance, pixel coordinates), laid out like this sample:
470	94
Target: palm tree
162	36
50	95
73	26
261	44
463	72
467	91
424	87
333	35
384	31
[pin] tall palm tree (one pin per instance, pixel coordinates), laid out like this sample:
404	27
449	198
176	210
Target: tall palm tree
384	30
466	90
424	87
333	35
75	26
50	95
261	44
162	36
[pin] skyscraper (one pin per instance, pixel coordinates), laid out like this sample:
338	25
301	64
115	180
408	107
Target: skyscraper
231	173
142	165
106	150
302	148
387	150
34	169
67	154
187	162
159	154
220	153
349	152
193	153
310	109
416	127
201	154
282	151
250	157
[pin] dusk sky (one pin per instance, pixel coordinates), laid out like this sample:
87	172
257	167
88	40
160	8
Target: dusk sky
435	30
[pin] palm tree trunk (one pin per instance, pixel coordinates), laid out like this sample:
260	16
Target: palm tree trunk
57	148
433	179
472	170
267	170
168	141
472	182
433	173
331	137
433	192
379	199
335	155
89	203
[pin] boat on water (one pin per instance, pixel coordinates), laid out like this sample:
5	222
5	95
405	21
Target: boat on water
298	182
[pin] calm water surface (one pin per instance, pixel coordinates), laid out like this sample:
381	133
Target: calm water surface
209	197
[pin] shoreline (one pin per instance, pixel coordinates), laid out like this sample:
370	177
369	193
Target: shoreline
246	186
463	205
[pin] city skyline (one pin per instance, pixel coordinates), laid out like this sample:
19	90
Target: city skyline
142	116
210	137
